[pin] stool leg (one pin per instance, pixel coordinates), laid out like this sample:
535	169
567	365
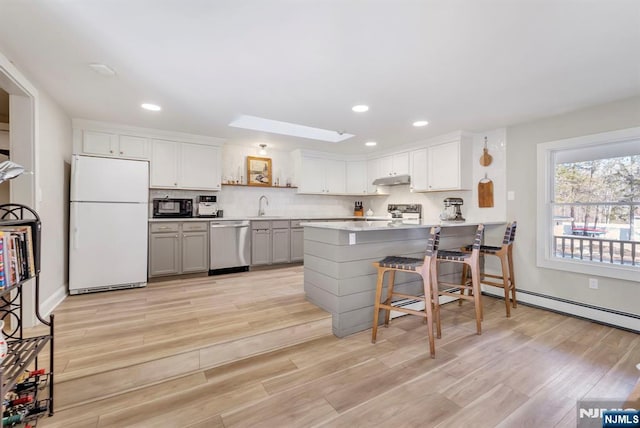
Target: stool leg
506	283
475	280
391	283
433	271
465	275
376	304
426	284
512	277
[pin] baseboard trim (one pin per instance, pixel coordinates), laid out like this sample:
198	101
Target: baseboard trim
606	316
53	301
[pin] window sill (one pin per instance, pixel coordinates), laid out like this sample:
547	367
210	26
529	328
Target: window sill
627	273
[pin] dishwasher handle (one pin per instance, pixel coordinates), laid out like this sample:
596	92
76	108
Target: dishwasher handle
220	226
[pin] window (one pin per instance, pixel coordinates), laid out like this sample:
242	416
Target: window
589	204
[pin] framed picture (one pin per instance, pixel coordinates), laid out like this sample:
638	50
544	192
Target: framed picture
258	171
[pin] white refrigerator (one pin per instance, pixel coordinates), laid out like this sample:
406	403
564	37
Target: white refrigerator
108	224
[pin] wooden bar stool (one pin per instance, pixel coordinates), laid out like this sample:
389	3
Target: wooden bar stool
471	263
505	254
426	268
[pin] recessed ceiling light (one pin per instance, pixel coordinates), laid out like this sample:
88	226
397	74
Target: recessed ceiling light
360	108
151	107
419	123
102	69
286	128
370	143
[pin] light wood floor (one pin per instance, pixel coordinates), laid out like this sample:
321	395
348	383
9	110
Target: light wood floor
246	350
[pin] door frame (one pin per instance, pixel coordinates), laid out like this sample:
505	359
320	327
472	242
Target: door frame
23	142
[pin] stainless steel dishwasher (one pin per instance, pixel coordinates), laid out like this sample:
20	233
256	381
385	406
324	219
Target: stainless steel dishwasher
229	246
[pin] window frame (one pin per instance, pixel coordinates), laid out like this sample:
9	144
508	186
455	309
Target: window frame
544	209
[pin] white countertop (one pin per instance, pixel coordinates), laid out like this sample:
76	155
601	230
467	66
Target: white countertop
268	218
361	226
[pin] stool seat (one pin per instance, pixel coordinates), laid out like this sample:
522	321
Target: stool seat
484	249
453	255
402	263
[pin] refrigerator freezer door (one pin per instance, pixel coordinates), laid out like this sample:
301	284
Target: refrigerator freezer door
109	180
107	245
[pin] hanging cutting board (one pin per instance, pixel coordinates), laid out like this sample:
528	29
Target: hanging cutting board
485	193
486	158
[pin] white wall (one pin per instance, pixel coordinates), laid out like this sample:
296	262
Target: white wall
4	187
521	178
54	168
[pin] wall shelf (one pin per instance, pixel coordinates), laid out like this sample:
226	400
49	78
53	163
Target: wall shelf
263	187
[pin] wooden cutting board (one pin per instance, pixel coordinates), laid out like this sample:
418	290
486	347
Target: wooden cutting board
485	193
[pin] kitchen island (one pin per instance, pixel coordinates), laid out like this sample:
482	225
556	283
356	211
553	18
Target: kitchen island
339	275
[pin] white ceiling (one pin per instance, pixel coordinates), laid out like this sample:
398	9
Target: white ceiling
468	64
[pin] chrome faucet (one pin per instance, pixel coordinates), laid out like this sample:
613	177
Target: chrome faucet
260	209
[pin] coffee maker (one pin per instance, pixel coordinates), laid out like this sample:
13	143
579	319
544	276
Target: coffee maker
452	210
208	206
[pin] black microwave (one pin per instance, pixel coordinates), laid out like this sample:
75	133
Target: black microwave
172	208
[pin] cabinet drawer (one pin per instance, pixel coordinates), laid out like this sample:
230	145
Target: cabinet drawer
280	224
260	224
165	227
195	226
296	223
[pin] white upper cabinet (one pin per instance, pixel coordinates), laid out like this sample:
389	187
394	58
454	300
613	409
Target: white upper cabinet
133	147
199	167
418	170
449	165
164	164
184	166
396	164
357	178
321	175
114	145
372	174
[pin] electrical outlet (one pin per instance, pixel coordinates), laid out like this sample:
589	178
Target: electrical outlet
593	283
511	195
352	239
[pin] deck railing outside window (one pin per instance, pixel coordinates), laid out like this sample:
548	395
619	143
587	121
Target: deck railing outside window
596	232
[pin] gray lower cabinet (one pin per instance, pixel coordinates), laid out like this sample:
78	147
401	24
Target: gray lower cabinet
280	241
260	246
297	241
178	247
270	242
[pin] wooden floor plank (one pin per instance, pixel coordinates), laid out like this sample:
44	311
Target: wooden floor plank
248	349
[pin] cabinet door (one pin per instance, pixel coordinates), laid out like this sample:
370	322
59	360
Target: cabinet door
199	167
164	163
99	143
335	176
133	147
400	163
297	245
385	166
372	174
357	177
280	245
444	166
418	171
164	251
312	175
260	247
195	257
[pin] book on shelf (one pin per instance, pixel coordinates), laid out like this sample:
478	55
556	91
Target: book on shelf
18	261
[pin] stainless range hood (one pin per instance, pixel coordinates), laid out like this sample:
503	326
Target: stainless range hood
392	180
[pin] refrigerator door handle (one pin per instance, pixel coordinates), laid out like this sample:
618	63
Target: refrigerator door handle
74	175
76	232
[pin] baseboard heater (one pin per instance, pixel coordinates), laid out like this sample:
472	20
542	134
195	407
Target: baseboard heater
600	315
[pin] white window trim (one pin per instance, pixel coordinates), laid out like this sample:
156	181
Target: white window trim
544	257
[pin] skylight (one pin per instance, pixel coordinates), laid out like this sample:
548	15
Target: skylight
286	128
